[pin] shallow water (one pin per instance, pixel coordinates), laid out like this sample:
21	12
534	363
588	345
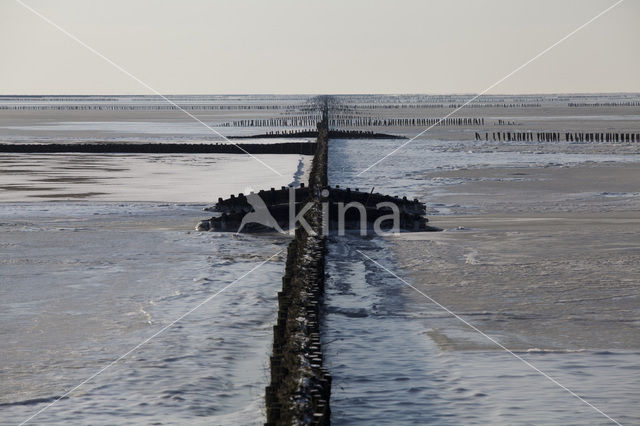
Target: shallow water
98	254
83	283
142	177
384	349
398	358
402	173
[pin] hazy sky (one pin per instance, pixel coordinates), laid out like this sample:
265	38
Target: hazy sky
294	46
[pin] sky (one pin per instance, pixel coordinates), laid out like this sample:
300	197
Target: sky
309	47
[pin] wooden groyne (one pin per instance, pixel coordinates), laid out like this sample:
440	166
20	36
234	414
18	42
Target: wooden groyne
382	121
603	104
233	209
300	387
576	137
302	148
333	134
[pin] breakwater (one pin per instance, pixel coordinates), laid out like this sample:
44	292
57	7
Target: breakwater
351	120
577	137
300	388
411	213
302	148
333	134
382	121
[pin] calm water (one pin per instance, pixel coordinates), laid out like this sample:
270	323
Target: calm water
392	352
387	368
98	253
82	283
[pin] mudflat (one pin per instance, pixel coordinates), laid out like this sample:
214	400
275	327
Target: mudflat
537	257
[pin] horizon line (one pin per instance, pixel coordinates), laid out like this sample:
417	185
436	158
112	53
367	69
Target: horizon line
321	94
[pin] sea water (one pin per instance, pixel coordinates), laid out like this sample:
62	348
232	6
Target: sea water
113	310
397	357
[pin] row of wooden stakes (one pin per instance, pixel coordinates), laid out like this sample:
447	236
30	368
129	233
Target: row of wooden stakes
559	137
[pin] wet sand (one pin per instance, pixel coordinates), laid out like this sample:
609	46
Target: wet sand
587	188
537	257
